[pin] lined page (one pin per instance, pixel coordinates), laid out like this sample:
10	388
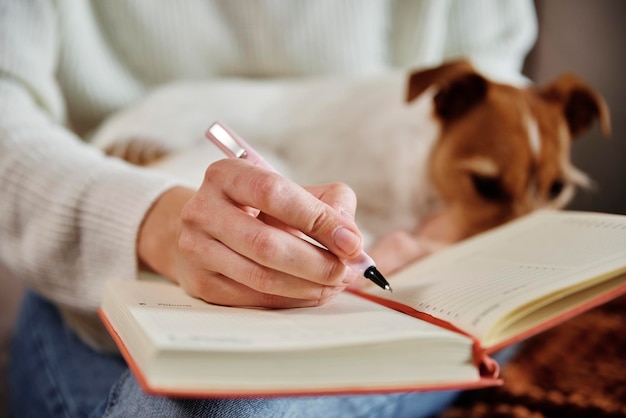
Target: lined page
174	320
476	283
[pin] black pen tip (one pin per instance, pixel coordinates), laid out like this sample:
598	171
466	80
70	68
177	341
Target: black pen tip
376	276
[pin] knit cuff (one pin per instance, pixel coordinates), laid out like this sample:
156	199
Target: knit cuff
113	210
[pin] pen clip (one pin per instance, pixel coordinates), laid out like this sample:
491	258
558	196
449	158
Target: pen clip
226	141
234	146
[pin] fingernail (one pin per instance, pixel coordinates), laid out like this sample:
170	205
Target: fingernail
346	240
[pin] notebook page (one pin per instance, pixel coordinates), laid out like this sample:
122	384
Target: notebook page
174	320
477	282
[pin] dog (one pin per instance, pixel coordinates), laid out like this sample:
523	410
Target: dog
434	156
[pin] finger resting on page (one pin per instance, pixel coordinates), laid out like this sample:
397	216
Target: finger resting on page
212	256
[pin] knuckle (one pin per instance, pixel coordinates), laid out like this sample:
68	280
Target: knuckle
267	187
208	286
349	196
327	293
260	279
271	301
326	296
186	244
343	190
340	195
197	287
332	273
190	211
263	244
318	223
218	175
215	170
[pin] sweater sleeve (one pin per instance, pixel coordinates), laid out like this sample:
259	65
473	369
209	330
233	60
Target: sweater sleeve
495	34
69	216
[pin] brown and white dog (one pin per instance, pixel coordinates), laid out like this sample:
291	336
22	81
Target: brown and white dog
440	158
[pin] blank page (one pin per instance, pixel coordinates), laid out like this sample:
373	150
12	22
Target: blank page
479	281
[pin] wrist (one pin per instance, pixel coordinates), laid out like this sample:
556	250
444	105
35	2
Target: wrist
158	234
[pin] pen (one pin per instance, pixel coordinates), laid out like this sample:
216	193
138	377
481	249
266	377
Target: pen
235	147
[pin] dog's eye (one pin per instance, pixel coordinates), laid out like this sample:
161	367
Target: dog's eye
488	188
556	188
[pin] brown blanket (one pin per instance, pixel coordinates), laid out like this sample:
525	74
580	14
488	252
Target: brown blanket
577	369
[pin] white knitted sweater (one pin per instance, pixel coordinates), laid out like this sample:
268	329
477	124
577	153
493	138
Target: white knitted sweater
69	216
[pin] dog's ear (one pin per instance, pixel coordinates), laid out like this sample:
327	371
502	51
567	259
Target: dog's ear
419	81
459	87
581	105
458	96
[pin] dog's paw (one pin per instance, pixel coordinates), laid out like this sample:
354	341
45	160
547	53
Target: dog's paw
137	151
394	251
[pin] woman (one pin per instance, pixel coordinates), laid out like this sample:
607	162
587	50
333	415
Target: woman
71	218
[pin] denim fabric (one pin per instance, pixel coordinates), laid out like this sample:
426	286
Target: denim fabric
53	374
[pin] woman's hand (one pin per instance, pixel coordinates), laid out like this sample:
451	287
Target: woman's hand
235	241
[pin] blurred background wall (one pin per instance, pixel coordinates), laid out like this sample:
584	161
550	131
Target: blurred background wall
589	39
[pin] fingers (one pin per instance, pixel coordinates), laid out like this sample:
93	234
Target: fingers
232	279
240	240
277	249
339	196
296	207
220	290
267	246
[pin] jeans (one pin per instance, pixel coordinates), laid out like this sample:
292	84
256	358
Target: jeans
54	374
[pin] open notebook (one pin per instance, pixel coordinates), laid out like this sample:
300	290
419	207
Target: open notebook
447	314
